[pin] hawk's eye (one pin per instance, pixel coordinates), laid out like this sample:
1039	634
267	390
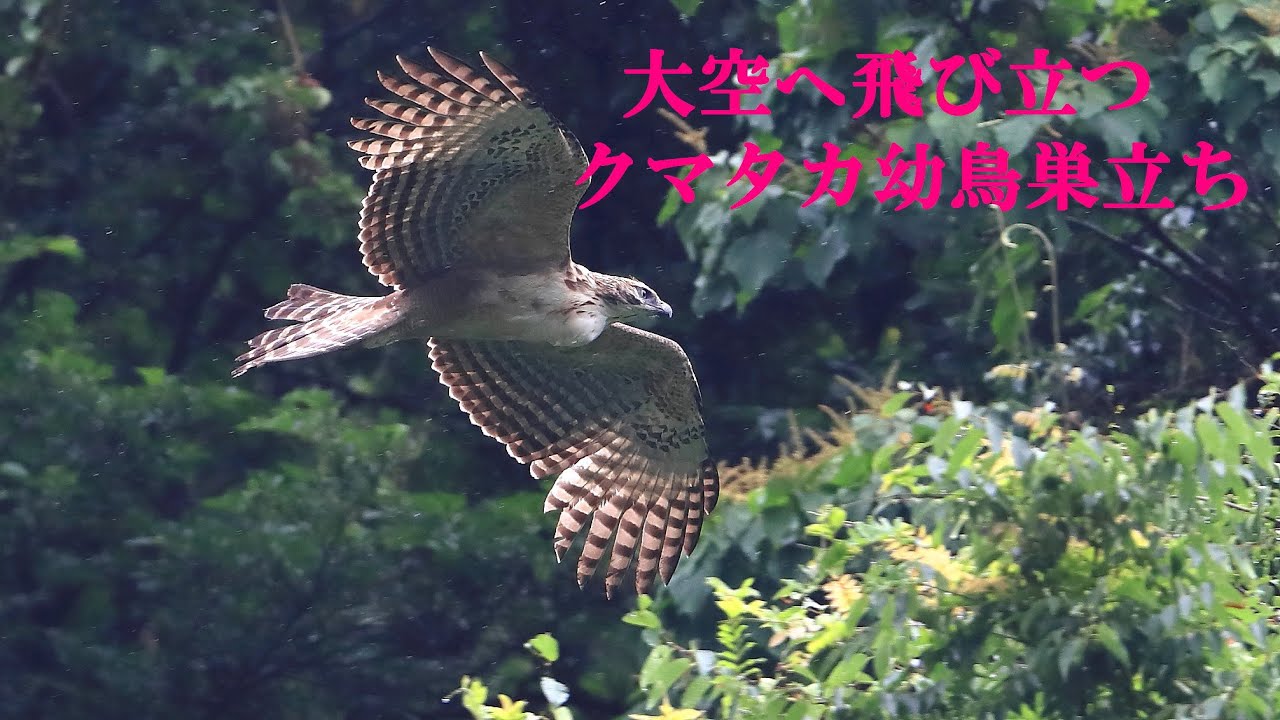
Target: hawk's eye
646	295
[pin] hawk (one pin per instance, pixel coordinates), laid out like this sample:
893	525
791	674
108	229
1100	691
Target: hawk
467	221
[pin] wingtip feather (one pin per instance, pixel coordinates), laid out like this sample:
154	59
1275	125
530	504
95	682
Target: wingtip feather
442	57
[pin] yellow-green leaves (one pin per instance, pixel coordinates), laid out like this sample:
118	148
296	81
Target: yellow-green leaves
545	647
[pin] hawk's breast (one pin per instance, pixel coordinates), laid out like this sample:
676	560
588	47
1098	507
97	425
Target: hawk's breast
582	325
536	308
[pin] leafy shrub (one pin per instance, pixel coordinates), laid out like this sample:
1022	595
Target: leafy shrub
991	563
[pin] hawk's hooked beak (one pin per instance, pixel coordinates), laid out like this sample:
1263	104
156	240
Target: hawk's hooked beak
662	309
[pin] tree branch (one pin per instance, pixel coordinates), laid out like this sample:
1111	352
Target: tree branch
1145	256
1262	340
1195	262
188	320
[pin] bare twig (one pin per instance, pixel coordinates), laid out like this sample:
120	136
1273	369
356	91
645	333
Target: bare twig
695	138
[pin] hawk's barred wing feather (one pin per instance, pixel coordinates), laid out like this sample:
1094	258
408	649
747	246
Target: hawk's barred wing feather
472	180
471	172
619	419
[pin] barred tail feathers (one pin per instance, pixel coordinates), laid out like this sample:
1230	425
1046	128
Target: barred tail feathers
326	321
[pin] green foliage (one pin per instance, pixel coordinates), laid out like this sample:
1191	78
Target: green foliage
545	647
328	540
993	564
474	693
957	293
25	247
262	557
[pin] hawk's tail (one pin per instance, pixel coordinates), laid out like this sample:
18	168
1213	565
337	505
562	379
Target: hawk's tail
327	321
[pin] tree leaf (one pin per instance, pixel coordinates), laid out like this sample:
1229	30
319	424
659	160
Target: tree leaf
953	131
1070	654
1222	13
755	258
23	247
642	618
1110	640
1015	133
1092	301
687	7
830	247
545	647
895	403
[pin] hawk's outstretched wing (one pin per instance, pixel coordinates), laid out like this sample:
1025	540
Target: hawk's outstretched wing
470	173
620	420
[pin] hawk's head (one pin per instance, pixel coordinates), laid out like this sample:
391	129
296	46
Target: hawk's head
627	299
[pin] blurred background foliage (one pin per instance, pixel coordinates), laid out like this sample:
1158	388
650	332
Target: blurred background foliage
331	538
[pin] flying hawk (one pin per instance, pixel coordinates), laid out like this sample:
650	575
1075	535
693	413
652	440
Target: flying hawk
467	220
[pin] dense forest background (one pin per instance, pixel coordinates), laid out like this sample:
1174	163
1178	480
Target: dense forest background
991	478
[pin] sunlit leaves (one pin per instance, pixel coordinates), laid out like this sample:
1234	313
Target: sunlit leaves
642	616
23	247
1082	578
545	647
